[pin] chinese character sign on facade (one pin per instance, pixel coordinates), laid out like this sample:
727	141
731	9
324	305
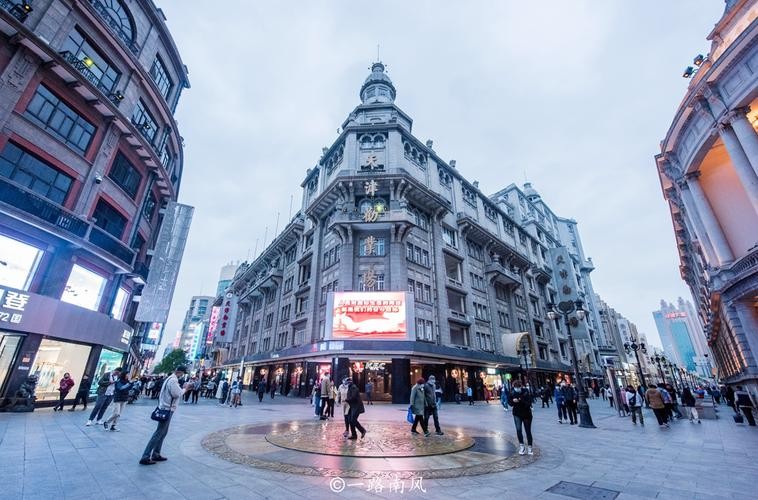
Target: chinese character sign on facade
12	306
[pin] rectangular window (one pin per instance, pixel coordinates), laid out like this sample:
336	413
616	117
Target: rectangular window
288	284
90	62
503	319
109	219
60	119
125	175
160	76
269	320
412	287
378	285
34	174
119	304
149	209
19	263
285	314
84	288
53	359
144	121
449	236
301	305
459	335
371	246
427	293
289	256
256	325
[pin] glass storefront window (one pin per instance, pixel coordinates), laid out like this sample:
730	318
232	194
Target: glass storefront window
108	361
18	261
84	288
119	304
54	358
8	348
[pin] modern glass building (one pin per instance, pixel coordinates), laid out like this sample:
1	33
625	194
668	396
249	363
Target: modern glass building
90	154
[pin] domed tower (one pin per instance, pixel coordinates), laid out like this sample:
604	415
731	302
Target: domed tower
378	87
531	193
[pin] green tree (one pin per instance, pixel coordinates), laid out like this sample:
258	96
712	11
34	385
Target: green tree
168	364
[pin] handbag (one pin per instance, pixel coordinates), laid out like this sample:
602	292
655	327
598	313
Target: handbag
738	419
409	416
160	415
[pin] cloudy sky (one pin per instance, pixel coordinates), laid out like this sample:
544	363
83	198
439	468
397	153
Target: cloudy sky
575	96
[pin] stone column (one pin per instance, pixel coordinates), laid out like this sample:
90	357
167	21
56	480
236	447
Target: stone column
746	135
697	224
710	222
745	171
401	380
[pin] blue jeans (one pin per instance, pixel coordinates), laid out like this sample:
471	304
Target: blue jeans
526	422
317	404
153	447
101	404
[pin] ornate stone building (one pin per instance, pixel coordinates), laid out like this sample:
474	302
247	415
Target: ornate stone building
381	211
90	154
707	167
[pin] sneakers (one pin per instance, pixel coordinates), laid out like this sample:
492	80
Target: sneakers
560	421
521	450
158	458
698	421
363	434
427	434
440	433
113	429
345	434
105	424
89	422
146	461
529	450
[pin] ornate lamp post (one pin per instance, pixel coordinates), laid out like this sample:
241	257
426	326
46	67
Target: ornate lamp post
526	352
673	369
657	360
566	309
634	347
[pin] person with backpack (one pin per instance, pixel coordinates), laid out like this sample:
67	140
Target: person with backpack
634	402
120	398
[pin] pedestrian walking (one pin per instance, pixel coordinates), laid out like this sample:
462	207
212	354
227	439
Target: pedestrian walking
688	401
655	399
210	389
430	405
743	401
64	386
317	398
261	390
418	401
369	392
521	402
196	390
470	395
560	402
342	399
356	408
120	398
634	403
438	395
274	387
106	385
609	395
224	390
326	392
170	393
83	393
504	397
569	395
236	398
716	394
667	401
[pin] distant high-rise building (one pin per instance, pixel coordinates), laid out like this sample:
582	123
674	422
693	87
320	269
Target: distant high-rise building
226	276
682	336
194	325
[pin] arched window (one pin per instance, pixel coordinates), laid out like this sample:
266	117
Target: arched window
119	17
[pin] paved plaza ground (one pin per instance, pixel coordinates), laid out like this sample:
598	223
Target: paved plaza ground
47	455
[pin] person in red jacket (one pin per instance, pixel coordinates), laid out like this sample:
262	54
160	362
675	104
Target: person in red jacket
64	386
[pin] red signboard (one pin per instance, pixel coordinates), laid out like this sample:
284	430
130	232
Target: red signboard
369	315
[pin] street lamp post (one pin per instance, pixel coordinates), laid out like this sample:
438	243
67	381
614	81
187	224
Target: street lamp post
634	347
566	309
673	369
525	352
657	360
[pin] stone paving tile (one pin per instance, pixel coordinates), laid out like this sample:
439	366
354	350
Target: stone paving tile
56	456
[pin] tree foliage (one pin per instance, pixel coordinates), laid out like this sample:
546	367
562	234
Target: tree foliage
168	364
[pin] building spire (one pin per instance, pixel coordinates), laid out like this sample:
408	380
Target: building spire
378	87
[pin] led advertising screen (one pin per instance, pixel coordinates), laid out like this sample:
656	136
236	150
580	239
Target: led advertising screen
369	315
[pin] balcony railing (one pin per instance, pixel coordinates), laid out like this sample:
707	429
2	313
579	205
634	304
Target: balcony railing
18	10
123	37
79	65
42	208
100	238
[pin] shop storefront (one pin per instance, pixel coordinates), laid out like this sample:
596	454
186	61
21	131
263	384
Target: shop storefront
43	338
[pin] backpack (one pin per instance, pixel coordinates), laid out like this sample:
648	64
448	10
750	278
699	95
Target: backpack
633	400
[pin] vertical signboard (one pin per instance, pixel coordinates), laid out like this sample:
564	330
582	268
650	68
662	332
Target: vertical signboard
227	319
164	268
568	287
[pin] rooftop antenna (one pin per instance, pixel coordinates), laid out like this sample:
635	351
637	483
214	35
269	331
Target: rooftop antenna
277	224
265	236
255	252
292	196
377	53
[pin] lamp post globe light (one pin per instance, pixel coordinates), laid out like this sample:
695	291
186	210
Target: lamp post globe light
657	360
634	347
526	352
566	309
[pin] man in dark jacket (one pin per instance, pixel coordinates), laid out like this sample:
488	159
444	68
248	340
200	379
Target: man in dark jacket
569	396
356	408
430	405
106	386
83	393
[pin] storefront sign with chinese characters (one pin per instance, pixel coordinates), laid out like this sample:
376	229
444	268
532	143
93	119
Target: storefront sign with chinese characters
12	306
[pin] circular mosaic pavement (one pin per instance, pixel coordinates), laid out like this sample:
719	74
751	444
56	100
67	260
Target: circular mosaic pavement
319	449
384	439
